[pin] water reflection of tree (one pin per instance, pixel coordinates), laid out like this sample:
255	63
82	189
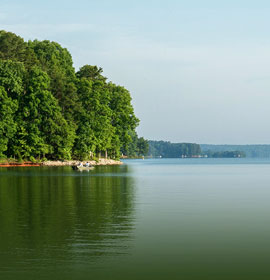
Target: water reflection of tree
61	213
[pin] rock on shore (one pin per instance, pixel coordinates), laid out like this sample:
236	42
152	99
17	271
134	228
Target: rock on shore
101	161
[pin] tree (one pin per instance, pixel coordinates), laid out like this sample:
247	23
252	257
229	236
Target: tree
92	73
123	117
143	147
131	149
137	147
13	47
42	130
57	63
12	75
7	123
95	129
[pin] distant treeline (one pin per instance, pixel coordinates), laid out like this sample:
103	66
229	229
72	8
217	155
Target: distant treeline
47	110
167	149
176	150
173	150
259	151
225	154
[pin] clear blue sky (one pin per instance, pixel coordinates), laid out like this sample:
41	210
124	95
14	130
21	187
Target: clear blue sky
198	71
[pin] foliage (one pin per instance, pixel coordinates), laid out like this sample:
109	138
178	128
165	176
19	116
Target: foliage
123	117
94	128
143	146
47	110
92	73
47	132
173	150
57	63
13	47
12	76
7	123
137	147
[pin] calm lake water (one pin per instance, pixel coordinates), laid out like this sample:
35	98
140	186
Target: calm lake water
152	219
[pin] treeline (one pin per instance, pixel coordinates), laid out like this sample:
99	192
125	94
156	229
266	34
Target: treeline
167	149
224	154
255	151
47	110
173	150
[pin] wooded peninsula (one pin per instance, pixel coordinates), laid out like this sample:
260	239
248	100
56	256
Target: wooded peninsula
50	111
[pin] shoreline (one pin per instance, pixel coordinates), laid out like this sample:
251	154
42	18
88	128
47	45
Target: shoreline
55	163
101	161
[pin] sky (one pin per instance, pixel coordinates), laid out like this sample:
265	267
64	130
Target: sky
198	71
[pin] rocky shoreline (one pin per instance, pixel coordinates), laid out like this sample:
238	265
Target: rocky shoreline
101	161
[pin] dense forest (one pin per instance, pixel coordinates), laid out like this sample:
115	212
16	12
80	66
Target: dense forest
50	111
173	150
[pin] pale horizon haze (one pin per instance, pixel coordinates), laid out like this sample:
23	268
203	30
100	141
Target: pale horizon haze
198	71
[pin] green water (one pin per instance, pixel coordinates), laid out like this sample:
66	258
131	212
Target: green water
151	219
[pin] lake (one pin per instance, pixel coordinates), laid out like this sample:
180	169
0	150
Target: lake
147	219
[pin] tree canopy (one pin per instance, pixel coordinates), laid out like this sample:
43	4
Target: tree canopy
48	110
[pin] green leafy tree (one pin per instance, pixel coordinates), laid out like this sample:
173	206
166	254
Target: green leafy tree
57	63
12	78
137	147
123	117
13	47
92	73
42	129
7	123
95	130
143	146
12	75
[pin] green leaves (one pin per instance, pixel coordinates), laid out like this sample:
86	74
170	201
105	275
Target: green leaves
12	76
48	110
49	125
92	73
7	123
95	129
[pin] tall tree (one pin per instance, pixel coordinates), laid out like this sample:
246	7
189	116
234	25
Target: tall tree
96	117
42	129
13	47
57	63
123	117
